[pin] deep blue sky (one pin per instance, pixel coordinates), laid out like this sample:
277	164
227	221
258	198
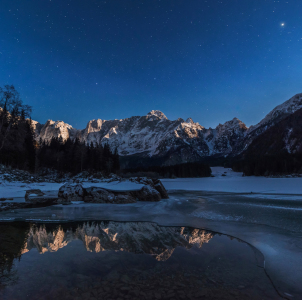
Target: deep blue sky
210	60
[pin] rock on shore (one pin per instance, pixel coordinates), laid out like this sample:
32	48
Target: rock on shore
152	190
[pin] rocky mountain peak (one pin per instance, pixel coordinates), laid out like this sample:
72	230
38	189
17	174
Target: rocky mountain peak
190	121
234	124
156	113
56	129
94	125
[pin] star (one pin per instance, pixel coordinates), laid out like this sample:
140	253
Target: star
282	24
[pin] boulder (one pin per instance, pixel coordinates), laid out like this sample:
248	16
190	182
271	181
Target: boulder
71	192
147	193
33	193
153	190
124	198
100	195
160	188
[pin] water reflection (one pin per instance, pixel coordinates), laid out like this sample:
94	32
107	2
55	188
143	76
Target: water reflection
136	237
12	240
126	260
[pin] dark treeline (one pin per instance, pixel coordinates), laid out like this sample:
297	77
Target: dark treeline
19	149
267	165
268	154
17	143
184	170
75	156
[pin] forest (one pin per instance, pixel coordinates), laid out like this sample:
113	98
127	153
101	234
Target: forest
277	151
75	156
19	149
184	170
268	165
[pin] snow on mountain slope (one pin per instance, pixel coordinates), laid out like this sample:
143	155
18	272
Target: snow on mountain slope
56	129
275	116
280	112
154	135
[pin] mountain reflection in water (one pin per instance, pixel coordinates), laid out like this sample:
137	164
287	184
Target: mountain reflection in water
136	237
126	260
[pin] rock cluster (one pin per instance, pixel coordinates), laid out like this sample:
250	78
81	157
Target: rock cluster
153	190
12	175
100	195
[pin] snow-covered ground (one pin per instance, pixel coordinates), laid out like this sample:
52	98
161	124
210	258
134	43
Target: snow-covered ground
18	189
269	218
115	185
234	182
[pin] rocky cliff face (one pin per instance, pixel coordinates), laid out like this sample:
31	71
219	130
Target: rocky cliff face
178	141
153	135
57	129
136	237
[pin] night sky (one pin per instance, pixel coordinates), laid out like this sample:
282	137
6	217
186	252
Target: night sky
210	60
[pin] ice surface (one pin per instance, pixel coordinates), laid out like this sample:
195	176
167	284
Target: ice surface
233	182
18	189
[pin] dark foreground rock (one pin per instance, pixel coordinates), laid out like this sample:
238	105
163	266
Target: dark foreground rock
71	192
147	193
100	195
34	192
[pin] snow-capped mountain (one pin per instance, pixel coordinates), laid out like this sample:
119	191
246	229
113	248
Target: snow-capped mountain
153	135
54	129
170	142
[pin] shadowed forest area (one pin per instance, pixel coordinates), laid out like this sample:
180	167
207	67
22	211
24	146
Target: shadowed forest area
19	149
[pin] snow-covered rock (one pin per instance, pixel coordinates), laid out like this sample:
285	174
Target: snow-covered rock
71	192
143	189
57	129
147	193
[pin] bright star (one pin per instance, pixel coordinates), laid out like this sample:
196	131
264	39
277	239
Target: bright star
282	24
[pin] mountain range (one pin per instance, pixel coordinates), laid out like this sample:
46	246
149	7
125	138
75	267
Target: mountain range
154	139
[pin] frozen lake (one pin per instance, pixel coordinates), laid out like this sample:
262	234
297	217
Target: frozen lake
269	218
273	226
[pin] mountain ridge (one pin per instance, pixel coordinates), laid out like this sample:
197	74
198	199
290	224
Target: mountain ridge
177	141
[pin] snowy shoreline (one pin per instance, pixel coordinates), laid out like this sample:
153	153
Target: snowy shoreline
224	180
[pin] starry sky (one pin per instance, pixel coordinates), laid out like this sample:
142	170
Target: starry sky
213	60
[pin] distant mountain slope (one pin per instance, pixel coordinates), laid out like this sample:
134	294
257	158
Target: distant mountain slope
282	137
277	151
276	115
